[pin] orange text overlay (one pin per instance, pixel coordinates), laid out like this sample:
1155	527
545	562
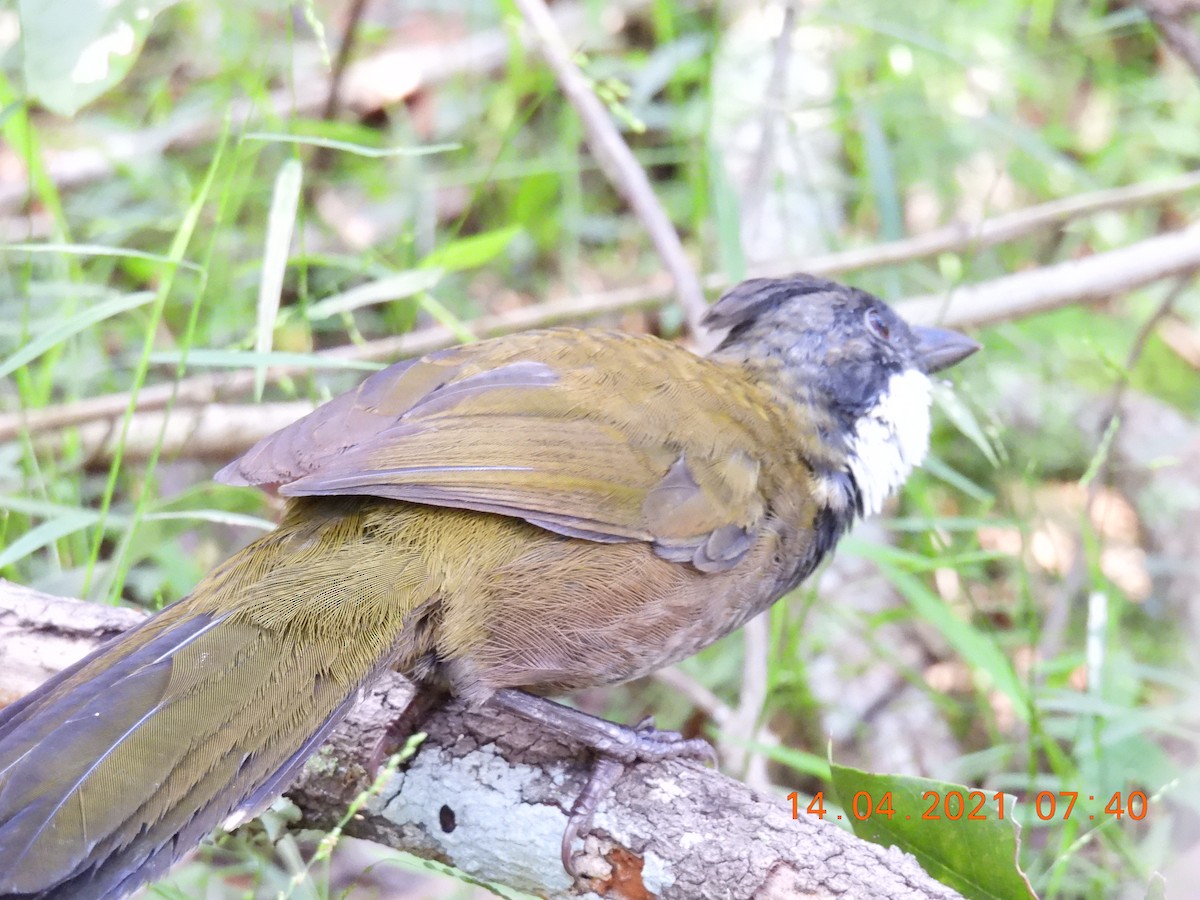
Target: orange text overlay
978	806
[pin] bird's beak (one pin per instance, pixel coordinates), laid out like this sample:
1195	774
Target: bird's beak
940	348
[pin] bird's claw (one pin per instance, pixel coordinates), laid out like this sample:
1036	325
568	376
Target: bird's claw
641	743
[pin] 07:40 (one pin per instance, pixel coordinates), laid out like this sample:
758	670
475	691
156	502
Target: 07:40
1134	804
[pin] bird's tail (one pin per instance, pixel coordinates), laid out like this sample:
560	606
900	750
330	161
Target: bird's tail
116	767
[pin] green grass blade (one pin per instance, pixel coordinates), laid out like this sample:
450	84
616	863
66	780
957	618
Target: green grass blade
45	534
281	223
73	325
382	290
348	146
100	250
179	245
976	648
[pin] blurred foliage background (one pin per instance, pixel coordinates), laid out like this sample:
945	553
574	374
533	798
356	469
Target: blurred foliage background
184	194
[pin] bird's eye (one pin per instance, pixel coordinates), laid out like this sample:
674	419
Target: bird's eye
877	325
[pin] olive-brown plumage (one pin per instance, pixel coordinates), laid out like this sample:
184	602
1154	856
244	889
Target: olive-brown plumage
548	511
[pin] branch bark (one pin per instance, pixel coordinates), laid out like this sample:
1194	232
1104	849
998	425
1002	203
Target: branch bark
489	793
1085	280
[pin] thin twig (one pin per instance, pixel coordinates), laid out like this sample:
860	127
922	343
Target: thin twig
1170	18
751	765
324	155
776	92
722	715
617	161
1110	419
1004	299
965	237
1057	617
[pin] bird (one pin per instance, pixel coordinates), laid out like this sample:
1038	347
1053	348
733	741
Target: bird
504	521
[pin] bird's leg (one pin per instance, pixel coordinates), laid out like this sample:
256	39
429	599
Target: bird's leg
605	773
615	747
425	700
642	743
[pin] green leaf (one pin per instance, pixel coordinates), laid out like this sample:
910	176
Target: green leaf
964	419
975	856
75	50
727	215
881	168
938	469
471	252
800	760
446	318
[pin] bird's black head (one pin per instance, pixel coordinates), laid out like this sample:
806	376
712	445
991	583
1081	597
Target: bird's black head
849	357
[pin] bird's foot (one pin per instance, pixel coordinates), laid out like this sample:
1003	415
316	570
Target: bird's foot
646	744
654	743
615	746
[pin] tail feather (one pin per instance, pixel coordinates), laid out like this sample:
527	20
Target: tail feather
104	778
154	746
116	874
113	769
59	739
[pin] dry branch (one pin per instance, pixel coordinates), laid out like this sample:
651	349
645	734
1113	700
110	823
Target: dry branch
213	387
210	388
1084	280
1173	19
41	634
488	793
617	160
214	431
968	237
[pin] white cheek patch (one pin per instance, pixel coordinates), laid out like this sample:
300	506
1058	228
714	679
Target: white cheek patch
891	438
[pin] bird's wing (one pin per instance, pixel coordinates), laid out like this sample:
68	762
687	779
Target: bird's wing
601	436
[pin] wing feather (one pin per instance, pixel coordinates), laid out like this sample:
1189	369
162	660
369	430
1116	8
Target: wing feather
588	435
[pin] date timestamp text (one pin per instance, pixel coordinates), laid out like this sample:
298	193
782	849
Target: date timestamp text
977	806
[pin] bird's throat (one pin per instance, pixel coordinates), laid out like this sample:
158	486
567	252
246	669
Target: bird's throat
891	438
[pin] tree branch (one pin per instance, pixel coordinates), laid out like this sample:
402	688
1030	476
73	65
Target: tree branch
1172	19
488	793
1085	280
200	432
212	387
